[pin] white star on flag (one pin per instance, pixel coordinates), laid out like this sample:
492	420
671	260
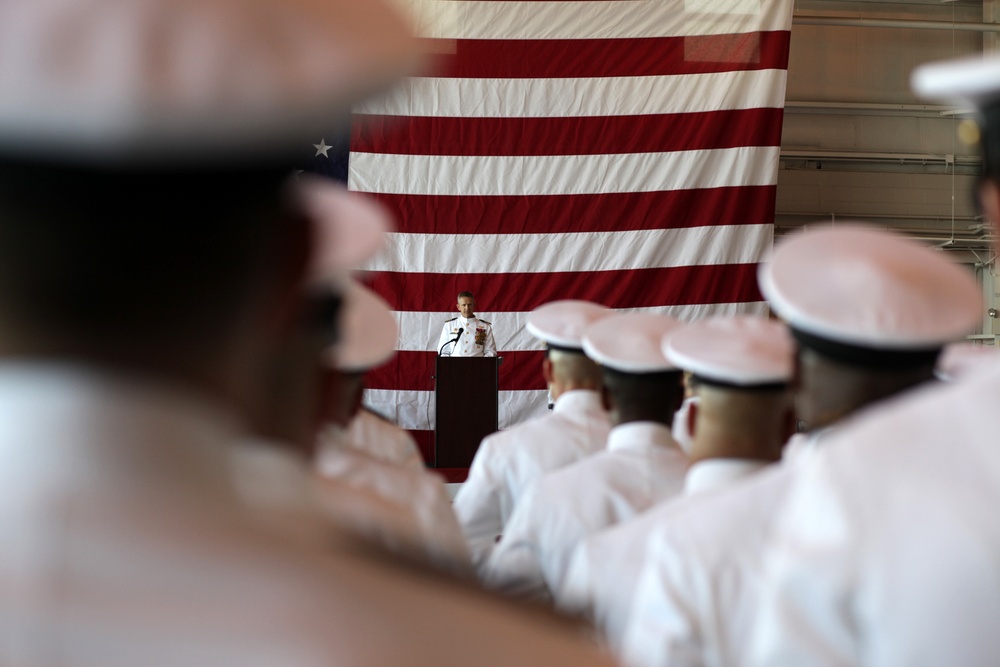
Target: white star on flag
322	148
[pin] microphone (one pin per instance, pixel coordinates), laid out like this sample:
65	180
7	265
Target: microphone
453	340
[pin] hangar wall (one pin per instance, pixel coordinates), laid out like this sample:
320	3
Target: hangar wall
857	144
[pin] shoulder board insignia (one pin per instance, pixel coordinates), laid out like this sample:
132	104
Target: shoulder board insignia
485	322
451	320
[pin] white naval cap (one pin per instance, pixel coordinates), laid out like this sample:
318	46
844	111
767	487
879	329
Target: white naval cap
960	360
630	342
744	350
851	289
150	81
350	228
973	81
561	323
368	331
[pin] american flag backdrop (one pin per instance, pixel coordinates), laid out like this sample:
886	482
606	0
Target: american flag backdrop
623	152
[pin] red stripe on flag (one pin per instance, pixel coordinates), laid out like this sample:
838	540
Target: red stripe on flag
453	475
582	58
414	370
664	63
634	288
558	214
587	135
425	443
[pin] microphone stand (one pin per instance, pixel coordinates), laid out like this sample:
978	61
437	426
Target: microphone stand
454	340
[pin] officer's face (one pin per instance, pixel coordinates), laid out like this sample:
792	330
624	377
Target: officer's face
465	305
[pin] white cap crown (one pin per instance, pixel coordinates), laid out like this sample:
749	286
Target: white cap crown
739	350
630	342
349	227
561	323
368	331
870	288
155	80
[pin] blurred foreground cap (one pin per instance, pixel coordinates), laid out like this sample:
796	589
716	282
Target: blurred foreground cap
973	81
866	288
630	342
742	350
368	331
561	323
350	227
960	360
968	82
160	81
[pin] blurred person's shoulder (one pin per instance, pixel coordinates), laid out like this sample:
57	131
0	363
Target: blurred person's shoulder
940	422
343	600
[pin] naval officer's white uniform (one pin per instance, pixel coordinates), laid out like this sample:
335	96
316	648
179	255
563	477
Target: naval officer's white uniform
507	462
888	549
476	341
406	510
641	466
697	573
603	571
697	592
728	356
701	579
866	298
375	436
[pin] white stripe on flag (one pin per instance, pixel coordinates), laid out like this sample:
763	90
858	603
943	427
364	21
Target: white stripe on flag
598	96
605	20
591	251
420	330
535	257
563	174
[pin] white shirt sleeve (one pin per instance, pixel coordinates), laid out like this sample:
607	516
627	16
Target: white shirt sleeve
405	510
575	594
439	525
515	566
805	615
479	506
663	623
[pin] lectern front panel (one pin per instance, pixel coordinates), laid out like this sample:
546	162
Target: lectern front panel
465	392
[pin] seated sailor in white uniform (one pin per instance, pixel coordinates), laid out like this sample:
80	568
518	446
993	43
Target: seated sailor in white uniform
870	311
743	373
902	567
368	340
744	369
407	508
151	256
508	461
641	466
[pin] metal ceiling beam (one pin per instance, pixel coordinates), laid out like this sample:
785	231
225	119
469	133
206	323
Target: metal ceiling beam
912	24
871	156
873	109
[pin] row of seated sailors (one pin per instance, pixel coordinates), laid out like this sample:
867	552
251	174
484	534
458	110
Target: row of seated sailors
126	543
623	508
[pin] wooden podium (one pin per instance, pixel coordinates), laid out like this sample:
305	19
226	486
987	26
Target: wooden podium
465	408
